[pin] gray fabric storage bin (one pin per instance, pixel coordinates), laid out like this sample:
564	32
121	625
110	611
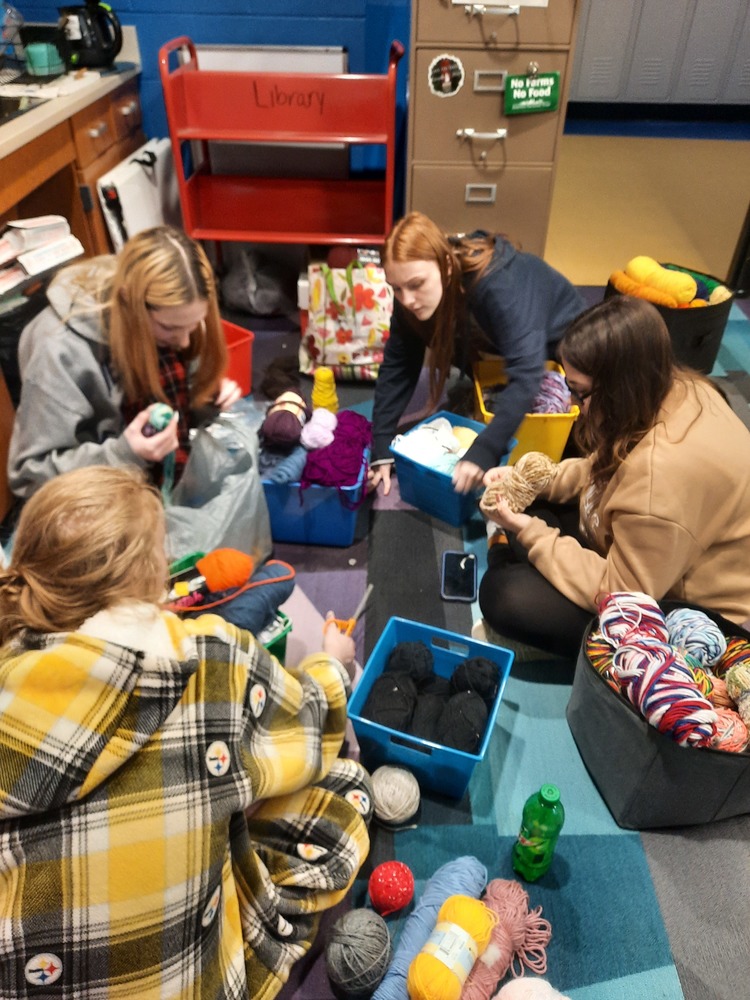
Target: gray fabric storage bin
645	778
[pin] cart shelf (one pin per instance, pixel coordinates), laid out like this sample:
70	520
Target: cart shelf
298	108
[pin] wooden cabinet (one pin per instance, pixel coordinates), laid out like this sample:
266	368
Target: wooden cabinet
56	170
469	165
104	133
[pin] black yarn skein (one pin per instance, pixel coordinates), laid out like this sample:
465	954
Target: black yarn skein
391	700
413	658
425	723
463	721
477	674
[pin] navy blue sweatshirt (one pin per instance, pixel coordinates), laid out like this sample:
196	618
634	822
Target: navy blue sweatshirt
522	306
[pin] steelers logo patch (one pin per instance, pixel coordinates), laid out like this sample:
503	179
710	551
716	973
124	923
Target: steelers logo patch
359	799
43	969
258	699
217	758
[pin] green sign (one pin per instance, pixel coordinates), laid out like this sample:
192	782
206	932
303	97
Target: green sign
527	94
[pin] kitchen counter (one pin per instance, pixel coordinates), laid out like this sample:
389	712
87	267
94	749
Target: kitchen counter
52	154
90	87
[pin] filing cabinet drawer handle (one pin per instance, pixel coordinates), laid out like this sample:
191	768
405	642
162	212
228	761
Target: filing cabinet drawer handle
470	134
480	194
480	9
98	130
129	109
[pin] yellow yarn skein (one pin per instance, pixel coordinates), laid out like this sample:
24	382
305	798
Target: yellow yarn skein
324	394
462	932
647	271
626	285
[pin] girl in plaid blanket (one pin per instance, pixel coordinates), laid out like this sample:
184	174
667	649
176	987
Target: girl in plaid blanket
174	815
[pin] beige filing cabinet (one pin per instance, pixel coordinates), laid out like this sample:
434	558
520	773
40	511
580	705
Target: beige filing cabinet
469	165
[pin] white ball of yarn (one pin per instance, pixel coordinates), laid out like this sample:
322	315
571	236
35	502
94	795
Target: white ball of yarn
395	794
527	988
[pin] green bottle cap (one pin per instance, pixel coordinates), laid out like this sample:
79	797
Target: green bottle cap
550	793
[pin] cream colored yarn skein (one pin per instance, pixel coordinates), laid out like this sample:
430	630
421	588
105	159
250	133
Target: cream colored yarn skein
532	473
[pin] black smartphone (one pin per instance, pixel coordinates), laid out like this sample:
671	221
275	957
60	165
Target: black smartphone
459	581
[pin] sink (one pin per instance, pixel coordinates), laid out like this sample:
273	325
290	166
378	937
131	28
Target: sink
11	107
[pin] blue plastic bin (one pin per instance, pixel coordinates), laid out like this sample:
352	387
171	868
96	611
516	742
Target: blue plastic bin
439	768
432	491
319	515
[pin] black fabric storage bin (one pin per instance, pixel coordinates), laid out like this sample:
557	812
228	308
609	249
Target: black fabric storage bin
646	779
695	333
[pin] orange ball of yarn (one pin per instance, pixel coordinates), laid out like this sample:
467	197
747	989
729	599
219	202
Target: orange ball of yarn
731	731
225	568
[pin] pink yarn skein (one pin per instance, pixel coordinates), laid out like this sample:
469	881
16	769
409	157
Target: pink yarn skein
518	942
318	431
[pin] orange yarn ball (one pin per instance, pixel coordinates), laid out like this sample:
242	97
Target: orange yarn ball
225	568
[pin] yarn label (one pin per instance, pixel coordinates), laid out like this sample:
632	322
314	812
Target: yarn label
529	93
454	947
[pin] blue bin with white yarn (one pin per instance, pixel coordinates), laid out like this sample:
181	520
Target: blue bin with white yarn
431	490
439	768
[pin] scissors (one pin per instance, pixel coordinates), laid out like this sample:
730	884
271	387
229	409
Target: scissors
346	625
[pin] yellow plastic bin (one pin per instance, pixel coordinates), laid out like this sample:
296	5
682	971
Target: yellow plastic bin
545	432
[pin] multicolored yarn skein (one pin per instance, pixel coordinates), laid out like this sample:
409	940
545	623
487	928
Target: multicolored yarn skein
737	652
655	677
693	631
627	614
660	684
462	932
465	876
738	687
519	940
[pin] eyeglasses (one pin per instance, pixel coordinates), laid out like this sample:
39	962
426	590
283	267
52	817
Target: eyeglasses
576	395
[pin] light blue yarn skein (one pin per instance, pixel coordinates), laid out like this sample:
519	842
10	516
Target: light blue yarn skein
694	631
464	876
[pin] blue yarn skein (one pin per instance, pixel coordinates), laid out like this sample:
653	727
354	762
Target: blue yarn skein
464	876
694	631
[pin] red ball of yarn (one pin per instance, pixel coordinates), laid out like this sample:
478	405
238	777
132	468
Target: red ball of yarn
391	887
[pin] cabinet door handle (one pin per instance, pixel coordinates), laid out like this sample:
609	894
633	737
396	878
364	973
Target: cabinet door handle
470	135
480	9
129	109
480	194
98	130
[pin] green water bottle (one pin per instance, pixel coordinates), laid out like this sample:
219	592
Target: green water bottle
543	818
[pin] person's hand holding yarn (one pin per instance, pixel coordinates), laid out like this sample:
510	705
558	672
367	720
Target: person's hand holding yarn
506	518
467	476
531	474
228	394
496	475
156	447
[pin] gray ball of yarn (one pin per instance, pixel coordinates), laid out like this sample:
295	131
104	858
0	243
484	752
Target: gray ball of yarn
358	954
395	793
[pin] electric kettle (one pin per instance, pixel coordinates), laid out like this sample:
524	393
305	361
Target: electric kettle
94	34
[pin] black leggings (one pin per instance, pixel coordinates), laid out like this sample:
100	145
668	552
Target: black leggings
518	602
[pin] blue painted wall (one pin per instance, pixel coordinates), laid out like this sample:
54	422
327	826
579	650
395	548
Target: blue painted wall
365	29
